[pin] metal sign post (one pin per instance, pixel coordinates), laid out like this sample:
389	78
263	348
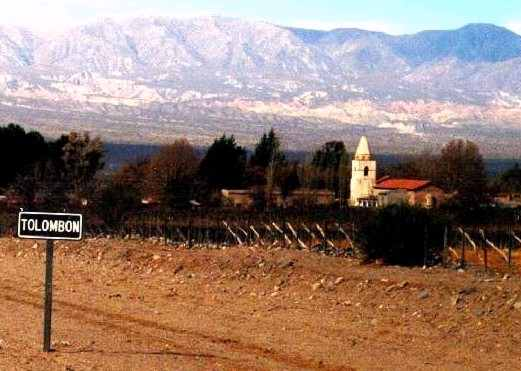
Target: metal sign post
49	227
47	314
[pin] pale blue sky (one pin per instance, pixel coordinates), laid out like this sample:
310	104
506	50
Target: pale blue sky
394	16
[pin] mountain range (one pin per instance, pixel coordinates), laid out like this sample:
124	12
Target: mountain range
153	79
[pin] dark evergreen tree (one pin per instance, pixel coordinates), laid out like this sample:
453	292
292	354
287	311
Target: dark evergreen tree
267	151
327	161
21	153
224	164
510	180
73	162
329	155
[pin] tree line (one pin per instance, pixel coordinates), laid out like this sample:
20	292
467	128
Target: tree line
459	169
68	171
175	175
55	172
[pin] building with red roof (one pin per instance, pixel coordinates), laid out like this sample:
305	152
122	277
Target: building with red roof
401	183
368	191
419	192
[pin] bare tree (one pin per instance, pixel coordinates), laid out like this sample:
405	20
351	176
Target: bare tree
462	170
171	173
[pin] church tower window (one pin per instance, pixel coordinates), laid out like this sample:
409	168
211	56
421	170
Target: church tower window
366	171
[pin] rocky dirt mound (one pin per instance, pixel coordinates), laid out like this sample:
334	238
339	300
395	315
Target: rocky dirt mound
141	305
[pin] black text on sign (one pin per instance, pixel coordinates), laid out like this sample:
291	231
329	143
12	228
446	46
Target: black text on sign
50	226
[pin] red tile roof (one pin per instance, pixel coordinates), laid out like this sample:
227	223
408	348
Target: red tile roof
407	184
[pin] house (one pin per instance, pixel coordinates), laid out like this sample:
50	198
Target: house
415	192
310	197
245	198
242	198
508	200
367	191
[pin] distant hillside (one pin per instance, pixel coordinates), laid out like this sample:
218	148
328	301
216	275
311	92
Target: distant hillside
153	79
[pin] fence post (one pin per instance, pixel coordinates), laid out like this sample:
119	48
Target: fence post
425	246
462	260
325	235
485	253
510	244
445	246
283	238
165	233
190	232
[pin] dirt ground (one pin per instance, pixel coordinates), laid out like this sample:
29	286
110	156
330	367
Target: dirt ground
132	305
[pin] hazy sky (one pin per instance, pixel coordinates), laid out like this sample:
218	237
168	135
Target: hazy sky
393	16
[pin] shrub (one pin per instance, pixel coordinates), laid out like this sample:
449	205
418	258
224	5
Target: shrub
403	235
116	202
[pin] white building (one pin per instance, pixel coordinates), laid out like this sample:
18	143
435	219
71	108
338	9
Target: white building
367	191
363	178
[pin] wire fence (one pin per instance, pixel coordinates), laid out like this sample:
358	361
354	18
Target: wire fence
494	247
497	248
333	236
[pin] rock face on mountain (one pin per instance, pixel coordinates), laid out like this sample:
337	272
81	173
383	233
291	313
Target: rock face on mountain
150	79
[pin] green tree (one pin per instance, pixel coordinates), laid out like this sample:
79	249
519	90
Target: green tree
224	164
461	169
328	161
266	162
75	160
329	155
22	154
267	151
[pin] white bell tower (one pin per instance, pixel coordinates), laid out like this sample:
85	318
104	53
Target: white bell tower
363	177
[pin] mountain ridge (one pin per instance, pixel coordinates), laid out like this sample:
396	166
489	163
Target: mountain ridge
197	76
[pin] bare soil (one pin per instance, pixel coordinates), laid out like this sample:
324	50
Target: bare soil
134	305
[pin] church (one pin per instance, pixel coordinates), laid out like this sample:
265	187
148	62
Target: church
368	191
